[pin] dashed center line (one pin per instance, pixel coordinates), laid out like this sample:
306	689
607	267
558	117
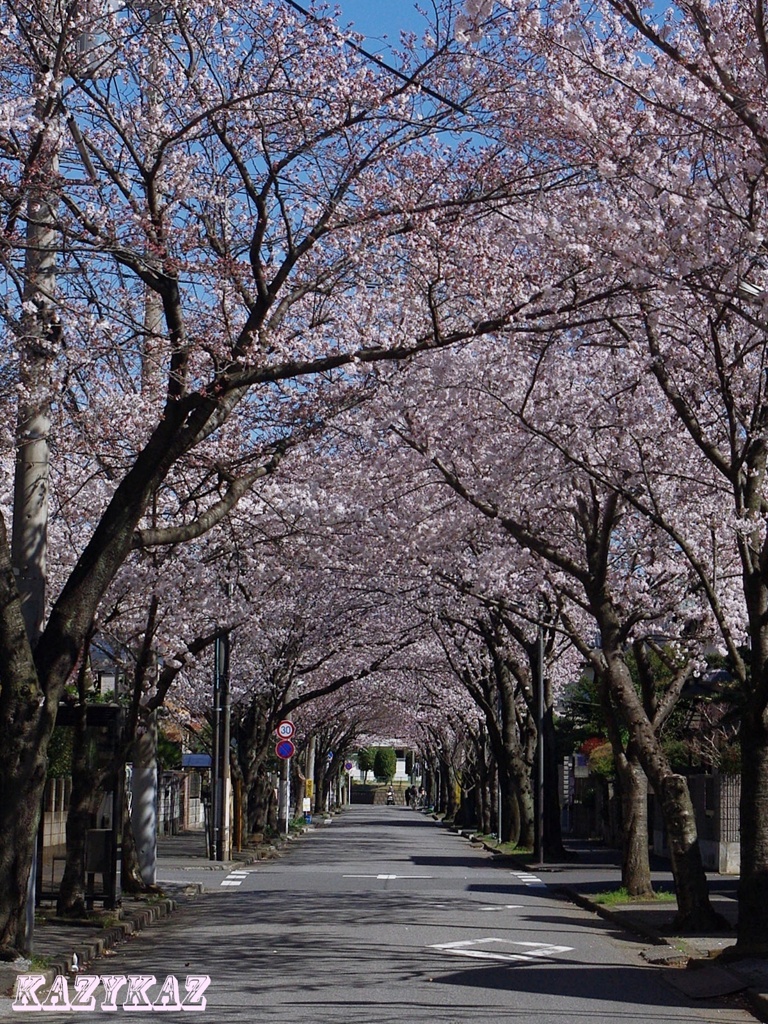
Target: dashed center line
503	906
387	878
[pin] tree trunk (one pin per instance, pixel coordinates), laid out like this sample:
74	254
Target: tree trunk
321	765
26	724
130	871
633	791
299	784
511	820
635	861
466	814
486	798
525	809
259	796
23	760
431	782
39	338
752	933
449	790
694	910
753	882
87	783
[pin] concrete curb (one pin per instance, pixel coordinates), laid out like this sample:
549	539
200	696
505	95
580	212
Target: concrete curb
95	946
134	922
758	999
649	934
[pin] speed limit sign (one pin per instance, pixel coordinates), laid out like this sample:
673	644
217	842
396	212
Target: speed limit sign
285	730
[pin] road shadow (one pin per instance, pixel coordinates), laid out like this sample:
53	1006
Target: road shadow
272	957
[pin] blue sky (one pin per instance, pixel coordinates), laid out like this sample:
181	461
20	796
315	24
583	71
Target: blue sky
376	18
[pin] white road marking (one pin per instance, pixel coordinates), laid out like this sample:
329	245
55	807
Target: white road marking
235	878
529	879
535	950
505	906
387	878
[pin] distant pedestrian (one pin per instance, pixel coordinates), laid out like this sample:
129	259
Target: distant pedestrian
408	796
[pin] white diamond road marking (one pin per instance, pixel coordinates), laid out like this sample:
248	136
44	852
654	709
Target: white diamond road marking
535	950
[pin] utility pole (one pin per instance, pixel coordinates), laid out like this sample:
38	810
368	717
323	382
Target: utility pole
144	799
29	540
539	851
29	534
310	773
221	844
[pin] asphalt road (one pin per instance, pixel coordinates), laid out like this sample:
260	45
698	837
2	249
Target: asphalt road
386	918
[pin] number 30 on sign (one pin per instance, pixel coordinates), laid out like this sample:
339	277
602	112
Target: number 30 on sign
285	730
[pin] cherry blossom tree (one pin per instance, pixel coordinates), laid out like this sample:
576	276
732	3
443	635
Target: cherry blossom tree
660	115
222	194
603	558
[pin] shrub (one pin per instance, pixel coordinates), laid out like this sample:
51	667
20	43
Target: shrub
365	760
601	761
384	764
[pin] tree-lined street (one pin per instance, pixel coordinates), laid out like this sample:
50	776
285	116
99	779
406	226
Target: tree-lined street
385	917
411	402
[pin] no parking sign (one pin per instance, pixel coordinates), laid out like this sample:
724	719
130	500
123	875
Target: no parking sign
285	749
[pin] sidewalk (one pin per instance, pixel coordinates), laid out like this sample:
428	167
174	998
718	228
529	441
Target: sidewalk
706	975
59	944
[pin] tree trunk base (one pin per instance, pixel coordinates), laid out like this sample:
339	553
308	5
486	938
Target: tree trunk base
701	919
642	893
136	887
72	909
744	951
558	854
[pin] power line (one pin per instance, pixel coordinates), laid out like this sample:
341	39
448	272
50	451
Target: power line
409	80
